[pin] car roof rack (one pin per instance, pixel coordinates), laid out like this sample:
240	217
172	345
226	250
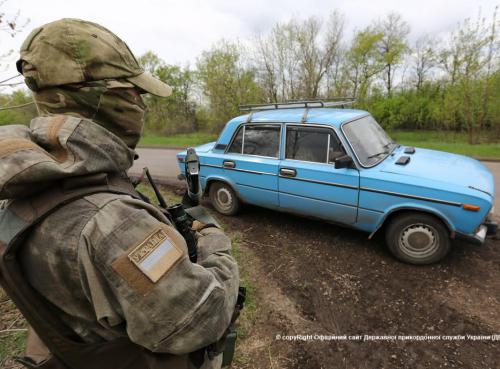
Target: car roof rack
294	104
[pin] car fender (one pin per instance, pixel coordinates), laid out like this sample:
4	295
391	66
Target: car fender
421	208
217	178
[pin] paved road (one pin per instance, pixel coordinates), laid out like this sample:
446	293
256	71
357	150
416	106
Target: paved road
495	169
163	164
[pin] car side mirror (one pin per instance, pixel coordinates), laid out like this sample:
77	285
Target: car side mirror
344	161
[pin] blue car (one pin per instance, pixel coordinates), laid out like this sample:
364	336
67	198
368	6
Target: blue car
339	165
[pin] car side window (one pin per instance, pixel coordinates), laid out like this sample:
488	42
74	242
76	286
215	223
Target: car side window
257	140
319	145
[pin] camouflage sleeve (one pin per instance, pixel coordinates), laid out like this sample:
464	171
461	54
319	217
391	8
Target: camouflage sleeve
137	274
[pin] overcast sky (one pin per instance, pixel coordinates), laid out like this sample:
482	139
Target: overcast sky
179	30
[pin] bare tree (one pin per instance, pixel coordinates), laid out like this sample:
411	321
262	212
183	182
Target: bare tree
449	58
293	60
317	54
337	77
10	25
277	62
472	58
393	45
424	59
268	72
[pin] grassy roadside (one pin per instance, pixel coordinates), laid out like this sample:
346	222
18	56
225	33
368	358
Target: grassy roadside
12	332
180	140
455	142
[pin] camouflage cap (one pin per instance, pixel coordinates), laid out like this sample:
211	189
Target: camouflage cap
73	51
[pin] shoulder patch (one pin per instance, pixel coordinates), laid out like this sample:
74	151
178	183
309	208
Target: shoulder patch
143	265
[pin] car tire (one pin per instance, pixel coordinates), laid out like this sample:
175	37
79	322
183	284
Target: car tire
224	199
418	238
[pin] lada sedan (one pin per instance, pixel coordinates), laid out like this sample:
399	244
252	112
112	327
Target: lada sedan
340	166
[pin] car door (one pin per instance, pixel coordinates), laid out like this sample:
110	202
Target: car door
308	182
252	162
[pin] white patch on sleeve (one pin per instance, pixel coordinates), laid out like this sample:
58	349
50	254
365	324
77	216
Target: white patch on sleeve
156	255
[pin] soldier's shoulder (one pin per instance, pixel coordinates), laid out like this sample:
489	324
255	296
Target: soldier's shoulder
112	209
103	199
113	212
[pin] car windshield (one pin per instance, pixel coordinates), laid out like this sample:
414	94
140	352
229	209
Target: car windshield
368	140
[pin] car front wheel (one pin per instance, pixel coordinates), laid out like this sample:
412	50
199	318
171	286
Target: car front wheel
417	238
224	199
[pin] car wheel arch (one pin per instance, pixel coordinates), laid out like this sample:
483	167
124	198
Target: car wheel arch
212	180
407	209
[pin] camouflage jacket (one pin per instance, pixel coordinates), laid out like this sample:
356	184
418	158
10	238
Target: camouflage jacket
80	257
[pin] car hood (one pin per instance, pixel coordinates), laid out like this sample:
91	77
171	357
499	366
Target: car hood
442	167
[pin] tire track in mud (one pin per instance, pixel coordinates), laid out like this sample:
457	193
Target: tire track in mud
315	278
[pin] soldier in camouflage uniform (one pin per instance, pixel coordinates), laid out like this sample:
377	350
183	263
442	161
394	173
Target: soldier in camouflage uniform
88	258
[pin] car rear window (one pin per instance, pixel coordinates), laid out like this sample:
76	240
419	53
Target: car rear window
257	140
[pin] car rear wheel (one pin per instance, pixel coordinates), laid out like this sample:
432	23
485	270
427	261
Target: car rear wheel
417	238
224	199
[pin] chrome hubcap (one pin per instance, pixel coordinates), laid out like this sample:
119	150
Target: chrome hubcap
224	198
419	240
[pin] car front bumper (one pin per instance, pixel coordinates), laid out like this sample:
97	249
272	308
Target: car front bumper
487	229
492	227
480	236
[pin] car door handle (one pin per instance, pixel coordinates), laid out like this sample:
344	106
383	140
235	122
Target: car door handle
228	164
288	172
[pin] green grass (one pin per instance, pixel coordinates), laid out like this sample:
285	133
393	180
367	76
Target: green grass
170	197
249	312
180	140
11	344
454	142
248	316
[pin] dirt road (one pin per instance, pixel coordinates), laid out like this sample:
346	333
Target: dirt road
312	278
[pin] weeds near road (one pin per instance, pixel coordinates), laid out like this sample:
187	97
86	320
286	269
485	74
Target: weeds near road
12	332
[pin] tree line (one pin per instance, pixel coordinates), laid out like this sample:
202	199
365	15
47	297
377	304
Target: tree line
446	83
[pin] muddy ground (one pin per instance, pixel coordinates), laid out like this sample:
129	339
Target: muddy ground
311	278
314	278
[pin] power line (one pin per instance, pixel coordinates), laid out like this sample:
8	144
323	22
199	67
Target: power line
16	106
10	84
8	79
